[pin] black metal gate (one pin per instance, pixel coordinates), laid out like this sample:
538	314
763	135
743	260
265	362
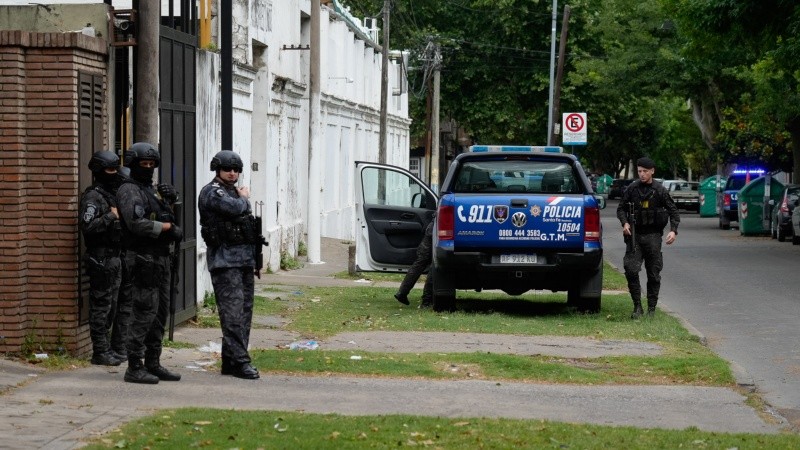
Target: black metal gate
177	112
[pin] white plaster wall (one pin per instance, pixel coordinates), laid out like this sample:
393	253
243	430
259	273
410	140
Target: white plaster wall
271	120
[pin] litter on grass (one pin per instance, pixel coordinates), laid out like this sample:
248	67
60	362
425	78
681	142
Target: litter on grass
304	345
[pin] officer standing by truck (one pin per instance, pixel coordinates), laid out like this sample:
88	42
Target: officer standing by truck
229	230
644	210
102	232
149	232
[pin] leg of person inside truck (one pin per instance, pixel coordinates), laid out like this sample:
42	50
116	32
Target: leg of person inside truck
423	261
632	262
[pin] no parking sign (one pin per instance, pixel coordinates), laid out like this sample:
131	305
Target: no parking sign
574	128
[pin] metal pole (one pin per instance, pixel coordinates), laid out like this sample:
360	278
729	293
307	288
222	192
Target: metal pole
562	51
226	77
552	74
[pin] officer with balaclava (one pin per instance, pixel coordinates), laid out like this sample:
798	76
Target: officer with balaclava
100	226
149	231
229	231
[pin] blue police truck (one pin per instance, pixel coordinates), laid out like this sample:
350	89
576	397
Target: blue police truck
512	219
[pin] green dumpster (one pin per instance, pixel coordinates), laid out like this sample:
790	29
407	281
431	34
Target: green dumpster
603	183
708	195
751	205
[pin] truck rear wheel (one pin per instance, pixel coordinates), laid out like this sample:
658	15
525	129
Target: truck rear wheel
444	293
586	296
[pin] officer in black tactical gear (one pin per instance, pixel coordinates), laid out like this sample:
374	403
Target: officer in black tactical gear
149	231
645	209
100	225
120	318
228	229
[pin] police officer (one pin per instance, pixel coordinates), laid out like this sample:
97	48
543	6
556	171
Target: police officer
120	318
149	233
644	211
228	229
100	225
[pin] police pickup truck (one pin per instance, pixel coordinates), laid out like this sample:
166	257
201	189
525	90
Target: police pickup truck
506	218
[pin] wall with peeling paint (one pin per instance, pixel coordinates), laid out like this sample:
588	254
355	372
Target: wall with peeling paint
271	118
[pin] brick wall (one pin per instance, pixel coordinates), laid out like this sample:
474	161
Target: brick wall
39	187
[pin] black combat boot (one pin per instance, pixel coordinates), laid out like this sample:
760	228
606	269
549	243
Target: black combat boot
136	372
651	307
637	309
245	370
402	298
154	367
106	358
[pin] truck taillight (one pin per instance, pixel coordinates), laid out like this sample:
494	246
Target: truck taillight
592	224
446	223
726	199
784	206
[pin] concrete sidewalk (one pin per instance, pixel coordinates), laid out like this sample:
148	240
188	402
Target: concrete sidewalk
58	410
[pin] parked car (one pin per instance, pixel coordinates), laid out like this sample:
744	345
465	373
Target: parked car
781	220
618	186
668	183
796	223
685	194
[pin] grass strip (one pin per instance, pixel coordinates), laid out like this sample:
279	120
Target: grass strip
214	428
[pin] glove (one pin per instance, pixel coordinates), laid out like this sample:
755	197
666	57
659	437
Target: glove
176	233
168	192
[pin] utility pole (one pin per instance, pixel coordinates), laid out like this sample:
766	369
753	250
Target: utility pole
552	69
147	84
562	48
384	83
315	154
435	156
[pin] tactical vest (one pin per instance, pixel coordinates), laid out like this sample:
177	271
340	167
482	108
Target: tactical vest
112	237
155	210
237	231
650	213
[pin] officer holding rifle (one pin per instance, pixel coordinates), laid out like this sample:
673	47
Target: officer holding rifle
233	238
645	210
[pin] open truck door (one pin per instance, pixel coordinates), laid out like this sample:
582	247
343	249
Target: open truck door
393	208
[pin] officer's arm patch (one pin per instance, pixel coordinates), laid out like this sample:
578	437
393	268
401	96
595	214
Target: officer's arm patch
220	192
138	211
88	215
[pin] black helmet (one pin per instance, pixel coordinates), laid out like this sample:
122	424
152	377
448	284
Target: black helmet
102	160
141	151
124	172
226	159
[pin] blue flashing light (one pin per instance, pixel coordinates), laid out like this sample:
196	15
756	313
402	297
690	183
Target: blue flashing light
515	148
750	171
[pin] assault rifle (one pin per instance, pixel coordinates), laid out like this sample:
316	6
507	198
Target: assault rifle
258	251
630	243
174	266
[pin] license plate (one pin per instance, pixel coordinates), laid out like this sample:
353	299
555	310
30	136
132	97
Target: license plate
518	259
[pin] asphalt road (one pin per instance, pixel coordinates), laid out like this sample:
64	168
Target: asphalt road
742	293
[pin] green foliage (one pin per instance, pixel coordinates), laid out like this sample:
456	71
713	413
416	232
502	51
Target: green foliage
210	300
289	262
302	249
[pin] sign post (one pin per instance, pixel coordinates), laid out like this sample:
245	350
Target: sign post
574	129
